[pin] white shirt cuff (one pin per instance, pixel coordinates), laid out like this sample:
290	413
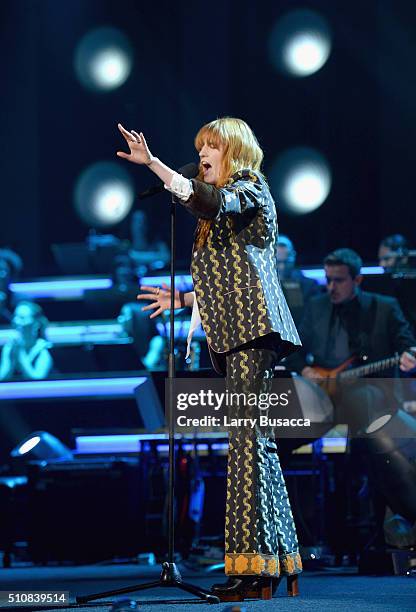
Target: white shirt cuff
180	186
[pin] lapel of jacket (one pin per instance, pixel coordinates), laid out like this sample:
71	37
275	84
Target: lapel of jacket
323	320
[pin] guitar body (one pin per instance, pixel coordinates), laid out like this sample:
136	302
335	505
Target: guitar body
331	377
333	373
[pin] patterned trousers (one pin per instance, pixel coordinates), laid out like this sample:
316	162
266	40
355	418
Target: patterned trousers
260	534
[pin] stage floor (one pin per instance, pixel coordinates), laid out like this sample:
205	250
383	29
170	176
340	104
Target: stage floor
329	590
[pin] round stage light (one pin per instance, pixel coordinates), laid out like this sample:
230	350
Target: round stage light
104	194
28	445
103	59
301	180
41	445
300	43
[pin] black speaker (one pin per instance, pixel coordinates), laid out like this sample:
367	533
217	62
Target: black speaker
85	511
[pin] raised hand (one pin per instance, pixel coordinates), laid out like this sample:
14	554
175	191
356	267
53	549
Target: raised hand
159	298
139	151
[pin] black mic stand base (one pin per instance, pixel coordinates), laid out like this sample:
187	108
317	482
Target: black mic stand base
170	577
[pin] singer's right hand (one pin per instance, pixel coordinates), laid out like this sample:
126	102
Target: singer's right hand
139	151
159	298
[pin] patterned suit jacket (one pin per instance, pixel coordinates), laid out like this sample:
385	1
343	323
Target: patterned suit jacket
235	276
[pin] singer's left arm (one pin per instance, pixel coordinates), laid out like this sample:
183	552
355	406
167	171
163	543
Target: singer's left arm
208	201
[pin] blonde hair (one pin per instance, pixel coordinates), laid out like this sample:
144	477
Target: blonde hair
241	151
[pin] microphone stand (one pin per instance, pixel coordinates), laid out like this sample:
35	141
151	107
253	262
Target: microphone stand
170	575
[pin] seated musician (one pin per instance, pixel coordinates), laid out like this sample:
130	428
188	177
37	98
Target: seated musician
27	354
347	322
392	253
298	289
343	323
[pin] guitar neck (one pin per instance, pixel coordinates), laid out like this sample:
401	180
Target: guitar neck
370	368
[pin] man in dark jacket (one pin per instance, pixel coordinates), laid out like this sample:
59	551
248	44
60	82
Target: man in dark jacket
297	287
347	322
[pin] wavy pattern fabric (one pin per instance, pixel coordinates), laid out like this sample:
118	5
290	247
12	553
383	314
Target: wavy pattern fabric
247	321
234	272
260	533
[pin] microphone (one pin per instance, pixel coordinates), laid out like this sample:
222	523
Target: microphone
188	171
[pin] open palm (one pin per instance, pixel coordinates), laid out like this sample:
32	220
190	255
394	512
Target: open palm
159	299
139	151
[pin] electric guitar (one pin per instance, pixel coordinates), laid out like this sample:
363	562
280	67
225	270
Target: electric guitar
344	373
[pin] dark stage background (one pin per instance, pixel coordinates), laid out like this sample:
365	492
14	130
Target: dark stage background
192	63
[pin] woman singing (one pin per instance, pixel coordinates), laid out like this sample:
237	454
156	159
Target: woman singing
248	328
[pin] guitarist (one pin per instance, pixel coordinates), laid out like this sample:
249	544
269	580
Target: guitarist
338	325
347	322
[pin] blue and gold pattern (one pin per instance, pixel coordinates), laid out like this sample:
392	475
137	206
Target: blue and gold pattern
241	304
234	272
260	534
